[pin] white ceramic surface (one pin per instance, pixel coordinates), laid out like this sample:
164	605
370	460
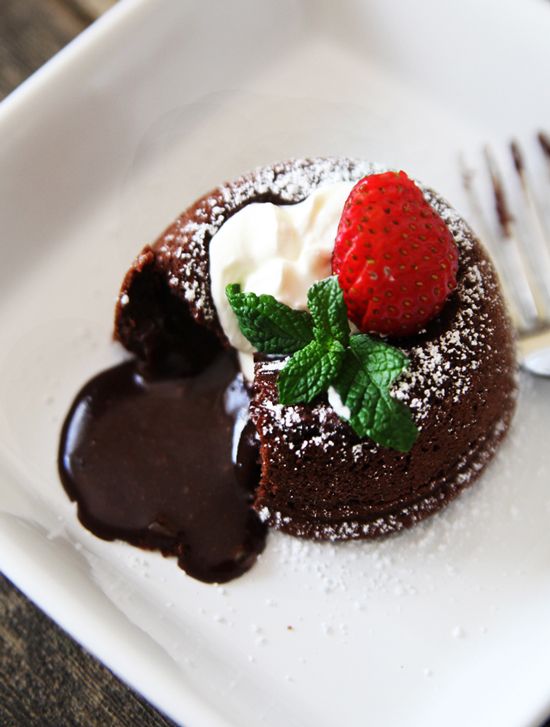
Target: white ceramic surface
161	99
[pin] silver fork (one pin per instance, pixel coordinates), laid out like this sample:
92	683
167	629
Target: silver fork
520	248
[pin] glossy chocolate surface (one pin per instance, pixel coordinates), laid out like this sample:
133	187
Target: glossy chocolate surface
167	462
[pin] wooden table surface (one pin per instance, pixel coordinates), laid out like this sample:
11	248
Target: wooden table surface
45	677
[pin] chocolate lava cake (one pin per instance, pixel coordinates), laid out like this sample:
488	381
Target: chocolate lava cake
318	478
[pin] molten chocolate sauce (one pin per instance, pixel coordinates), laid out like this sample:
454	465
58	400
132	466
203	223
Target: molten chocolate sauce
167	463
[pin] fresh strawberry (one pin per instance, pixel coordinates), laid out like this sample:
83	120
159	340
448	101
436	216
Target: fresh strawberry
394	256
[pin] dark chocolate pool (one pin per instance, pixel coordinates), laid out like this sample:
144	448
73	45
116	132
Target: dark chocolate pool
167	462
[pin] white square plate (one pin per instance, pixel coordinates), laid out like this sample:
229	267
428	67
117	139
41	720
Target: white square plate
445	624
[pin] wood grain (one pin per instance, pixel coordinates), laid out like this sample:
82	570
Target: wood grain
31	31
48	679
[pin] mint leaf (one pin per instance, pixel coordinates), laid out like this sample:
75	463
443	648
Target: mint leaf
270	326
383	362
310	371
370	367
325	301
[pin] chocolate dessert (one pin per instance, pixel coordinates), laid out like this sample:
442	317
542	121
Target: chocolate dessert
320	478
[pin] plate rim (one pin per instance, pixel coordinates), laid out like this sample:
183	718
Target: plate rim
47	592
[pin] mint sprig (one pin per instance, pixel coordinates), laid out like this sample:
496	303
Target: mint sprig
270	326
360	368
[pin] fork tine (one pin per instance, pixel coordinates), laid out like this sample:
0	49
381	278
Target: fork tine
517	271
544	141
536	217
538	247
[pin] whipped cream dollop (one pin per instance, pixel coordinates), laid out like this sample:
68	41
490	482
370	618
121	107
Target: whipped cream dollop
279	250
